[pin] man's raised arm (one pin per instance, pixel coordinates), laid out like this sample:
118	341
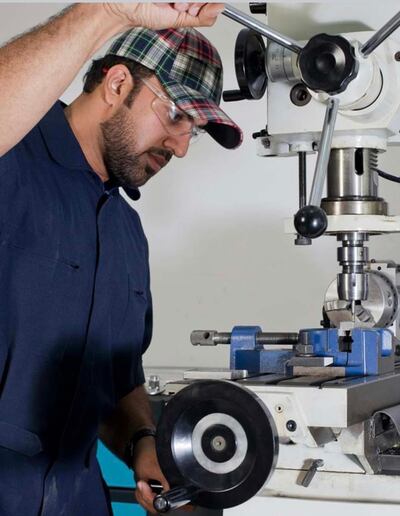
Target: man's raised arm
37	67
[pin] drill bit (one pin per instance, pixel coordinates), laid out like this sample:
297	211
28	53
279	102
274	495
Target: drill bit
353	311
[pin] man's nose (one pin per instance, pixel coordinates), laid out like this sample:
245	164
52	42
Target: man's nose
178	144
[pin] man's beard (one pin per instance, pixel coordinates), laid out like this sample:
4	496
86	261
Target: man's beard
123	164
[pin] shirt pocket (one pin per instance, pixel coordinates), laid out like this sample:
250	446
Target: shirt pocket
136	312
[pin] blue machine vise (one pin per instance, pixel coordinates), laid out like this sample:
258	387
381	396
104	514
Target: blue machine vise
361	351
246	353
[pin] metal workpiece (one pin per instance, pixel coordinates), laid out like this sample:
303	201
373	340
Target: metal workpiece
252	23
381	35
213	338
310	361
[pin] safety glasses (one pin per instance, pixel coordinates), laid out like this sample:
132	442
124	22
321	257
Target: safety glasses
172	118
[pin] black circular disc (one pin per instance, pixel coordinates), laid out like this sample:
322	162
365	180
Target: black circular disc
219	437
250	64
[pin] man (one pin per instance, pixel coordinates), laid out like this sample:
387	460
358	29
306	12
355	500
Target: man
74	279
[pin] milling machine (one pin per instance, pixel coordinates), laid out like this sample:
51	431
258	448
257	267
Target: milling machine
313	414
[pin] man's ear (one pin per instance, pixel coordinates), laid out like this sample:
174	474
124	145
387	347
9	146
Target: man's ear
116	85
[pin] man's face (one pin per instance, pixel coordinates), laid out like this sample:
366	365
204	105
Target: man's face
136	144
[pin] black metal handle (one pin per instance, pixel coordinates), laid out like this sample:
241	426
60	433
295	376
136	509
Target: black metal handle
174	498
232	95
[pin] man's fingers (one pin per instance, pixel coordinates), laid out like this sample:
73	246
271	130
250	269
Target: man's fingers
194	9
208	14
181	6
145	495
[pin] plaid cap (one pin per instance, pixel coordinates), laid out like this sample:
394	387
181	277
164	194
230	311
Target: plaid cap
189	68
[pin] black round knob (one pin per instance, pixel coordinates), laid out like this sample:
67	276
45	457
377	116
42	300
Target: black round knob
328	63
310	221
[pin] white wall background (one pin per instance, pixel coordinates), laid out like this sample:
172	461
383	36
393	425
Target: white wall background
214	220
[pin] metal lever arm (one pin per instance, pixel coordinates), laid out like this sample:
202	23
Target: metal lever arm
250	22
175	498
380	36
311	221
324	151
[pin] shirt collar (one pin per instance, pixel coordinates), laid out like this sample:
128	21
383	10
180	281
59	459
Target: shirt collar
113	184
64	147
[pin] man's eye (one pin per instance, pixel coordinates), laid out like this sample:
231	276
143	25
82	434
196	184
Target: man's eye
175	115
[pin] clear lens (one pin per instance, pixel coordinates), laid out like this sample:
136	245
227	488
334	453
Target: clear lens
173	119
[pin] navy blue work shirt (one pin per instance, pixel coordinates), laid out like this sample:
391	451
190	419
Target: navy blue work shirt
75	318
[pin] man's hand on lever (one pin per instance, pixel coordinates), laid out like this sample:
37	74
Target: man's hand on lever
147	468
165	15
37	67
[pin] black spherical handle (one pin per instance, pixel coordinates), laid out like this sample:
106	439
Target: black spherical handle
311	221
